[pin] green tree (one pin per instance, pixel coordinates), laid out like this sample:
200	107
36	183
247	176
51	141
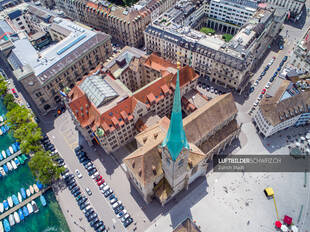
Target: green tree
207	30
11	106
29	136
3	85
227	37
43	168
18	116
8	98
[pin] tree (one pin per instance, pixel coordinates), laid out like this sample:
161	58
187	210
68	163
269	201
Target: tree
11	106
29	136
227	37
207	30
8	98
18	116
3	86
43	168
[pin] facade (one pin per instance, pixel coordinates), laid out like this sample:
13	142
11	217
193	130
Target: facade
48	3
232	11
172	154
226	63
125	25
294	6
18	20
45	73
116	121
38	19
285	105
300	57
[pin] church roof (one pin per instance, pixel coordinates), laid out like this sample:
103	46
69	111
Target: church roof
175	139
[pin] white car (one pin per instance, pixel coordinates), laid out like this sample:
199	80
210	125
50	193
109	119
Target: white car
95	175
125	217
102	186
124	212
113	201
115	205
78	174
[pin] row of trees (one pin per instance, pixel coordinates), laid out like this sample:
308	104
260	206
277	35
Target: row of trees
28	134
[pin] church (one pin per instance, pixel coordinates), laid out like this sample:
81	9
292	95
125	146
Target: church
173	153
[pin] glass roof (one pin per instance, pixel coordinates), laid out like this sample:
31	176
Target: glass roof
98	90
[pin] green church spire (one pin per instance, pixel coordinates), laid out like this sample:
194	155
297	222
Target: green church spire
175	139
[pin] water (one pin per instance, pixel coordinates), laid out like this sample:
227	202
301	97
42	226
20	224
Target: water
50	217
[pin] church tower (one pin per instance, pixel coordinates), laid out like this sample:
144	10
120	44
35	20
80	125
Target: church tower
175	146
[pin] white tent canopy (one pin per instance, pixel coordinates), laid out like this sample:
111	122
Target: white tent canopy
284	228
294	228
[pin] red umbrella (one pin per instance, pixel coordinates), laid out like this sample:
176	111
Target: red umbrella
278	224
287	220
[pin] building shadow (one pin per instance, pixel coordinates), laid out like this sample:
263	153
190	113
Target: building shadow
301	22
187	199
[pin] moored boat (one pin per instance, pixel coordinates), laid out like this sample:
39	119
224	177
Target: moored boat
1	119
40	186
5	205
30	209
31	189
35	187
16	217
9	166
5	168
13	164
1	207
20	159
11	220
25	211
11	149
2	171
34	206
42	199
10	201
1	227
23	192
19	197
28	193
21	215
15	200
3	154
24	157
14	148
17	145
1	132
16	161
1	157
6	225
8	153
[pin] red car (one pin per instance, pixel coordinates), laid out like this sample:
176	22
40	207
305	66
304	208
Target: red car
263	91
98	178
100	182
14	93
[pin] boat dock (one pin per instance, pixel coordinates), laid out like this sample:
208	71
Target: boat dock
10	158
25	202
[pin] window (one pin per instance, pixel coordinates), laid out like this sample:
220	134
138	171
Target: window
181	162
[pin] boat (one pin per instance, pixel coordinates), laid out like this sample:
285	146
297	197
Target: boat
25	211
1	207
15	200
7	151
16	217
14	148
21	215
31	189
11	220
1	133
11	150
5	205
19	197
24	157
17	145
23	192
9	166
6	225
10	201
20	159
40	186
1	227
34	206
2	171
5	168
35	187
3	154
16	161
42	199
1	157
13	164
28	193
30	209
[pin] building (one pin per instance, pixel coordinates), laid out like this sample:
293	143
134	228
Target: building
231	11
187	226
300	57
44	73
114	121
173	153
226	63
294	6
286	104
50	4
125	25
18	20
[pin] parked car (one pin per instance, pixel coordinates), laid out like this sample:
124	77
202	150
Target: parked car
78	174
84	205
123	219
89	212
72	186
98	178
93	222
92	171
122	213
100	182
75	189
95	175
88	208
82	200
107	187
14	93
118	209
78	148
92	217
108	193
65	171
87	190
263	91
101	229
128	221
98	224
113	201
116	204
77	193
70	182
252	89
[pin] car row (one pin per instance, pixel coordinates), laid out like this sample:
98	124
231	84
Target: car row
209	88
48	146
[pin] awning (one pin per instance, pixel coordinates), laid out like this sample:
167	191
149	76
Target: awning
287	220
294	228
284	228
